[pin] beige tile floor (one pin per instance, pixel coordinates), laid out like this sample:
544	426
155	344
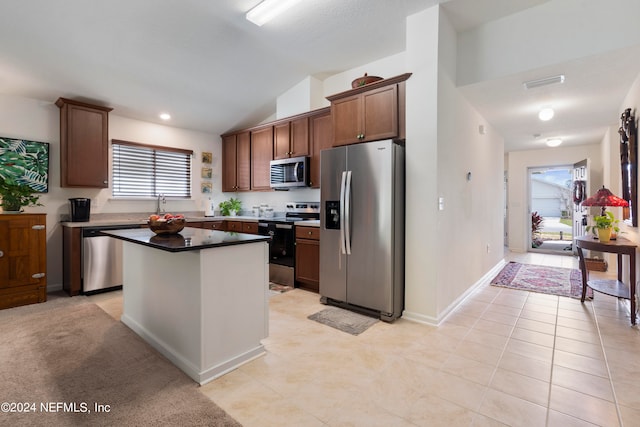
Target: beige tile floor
504	357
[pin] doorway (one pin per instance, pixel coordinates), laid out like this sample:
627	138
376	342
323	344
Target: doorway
551	209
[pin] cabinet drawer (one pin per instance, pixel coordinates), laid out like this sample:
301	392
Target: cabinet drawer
250	227
213	225
234	226
22	295
312	233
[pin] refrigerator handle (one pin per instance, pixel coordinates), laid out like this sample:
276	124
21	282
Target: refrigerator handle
342	189
347	211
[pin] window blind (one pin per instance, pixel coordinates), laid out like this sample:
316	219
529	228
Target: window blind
141	170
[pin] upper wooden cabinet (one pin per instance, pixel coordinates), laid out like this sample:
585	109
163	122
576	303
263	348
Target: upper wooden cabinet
261	155
84	144
236	166
321	131
23	262
369	113
291	138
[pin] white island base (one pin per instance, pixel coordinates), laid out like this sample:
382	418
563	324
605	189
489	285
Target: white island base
205	310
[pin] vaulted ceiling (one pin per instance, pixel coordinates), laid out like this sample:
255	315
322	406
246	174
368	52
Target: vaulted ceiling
201	61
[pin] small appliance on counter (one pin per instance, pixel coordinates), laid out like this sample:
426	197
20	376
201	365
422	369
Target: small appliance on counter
80	209
208	208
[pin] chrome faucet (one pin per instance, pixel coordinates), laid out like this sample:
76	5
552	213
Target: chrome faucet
161	197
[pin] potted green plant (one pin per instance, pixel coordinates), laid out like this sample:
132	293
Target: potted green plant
16	196
230	207
536	225
603	226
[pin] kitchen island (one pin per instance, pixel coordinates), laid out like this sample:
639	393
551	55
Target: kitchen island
198	297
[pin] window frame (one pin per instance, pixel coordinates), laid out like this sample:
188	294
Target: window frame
153	149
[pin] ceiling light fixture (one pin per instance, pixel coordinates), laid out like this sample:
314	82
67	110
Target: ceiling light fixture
554	142
546	114
544	81
165	116
268	9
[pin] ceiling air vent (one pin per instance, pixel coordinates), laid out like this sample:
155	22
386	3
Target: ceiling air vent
544	82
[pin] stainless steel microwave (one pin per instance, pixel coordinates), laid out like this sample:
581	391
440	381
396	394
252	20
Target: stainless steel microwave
289	173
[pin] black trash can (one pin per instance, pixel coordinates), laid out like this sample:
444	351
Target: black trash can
80	209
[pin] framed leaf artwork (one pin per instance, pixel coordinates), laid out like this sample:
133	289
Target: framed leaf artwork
25	162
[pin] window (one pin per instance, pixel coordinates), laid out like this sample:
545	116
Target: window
141	170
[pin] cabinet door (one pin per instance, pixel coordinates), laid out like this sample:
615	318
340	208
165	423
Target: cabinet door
23	246
308	264
299	145
229	162
281	141
236	168
347	120
84	145
243	161
380	113
321	138
261	155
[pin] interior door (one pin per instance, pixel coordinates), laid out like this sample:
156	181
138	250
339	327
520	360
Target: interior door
580	192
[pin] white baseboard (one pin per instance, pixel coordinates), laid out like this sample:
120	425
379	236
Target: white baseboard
433	321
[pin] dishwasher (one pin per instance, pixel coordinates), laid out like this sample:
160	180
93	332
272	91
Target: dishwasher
101	259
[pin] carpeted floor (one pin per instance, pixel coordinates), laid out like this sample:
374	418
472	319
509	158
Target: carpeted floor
64	357
566	282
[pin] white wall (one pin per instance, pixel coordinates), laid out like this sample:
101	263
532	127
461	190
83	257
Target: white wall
632	101
518	192
470	175
39	120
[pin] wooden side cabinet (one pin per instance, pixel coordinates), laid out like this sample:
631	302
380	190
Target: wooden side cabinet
369	113
23	259
84	144
236	166
308	258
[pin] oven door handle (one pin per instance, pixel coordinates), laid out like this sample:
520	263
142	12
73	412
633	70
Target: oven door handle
284	226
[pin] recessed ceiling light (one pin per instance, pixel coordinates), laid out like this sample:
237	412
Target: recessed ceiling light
267	10
165	116
554	142
544	81
546	114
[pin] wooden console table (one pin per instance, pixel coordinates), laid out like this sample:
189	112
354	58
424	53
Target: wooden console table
616	288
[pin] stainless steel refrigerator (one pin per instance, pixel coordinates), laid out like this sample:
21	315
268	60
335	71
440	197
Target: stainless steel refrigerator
362	227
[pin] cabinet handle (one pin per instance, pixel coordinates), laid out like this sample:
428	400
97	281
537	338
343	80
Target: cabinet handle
1	254
105	182
310	233
38	275
38	227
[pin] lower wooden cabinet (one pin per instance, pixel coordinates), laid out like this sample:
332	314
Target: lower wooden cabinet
308	258
23	259
214	225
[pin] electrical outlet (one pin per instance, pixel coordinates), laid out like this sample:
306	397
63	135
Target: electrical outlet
488	248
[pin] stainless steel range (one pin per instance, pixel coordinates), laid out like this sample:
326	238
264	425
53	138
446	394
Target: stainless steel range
282	256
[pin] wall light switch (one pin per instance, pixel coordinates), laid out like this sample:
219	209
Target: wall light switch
441	203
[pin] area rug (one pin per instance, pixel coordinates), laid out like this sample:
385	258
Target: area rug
565	282
344	320
74	365
276	287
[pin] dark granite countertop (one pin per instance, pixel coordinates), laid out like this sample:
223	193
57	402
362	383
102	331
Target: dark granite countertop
189	239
